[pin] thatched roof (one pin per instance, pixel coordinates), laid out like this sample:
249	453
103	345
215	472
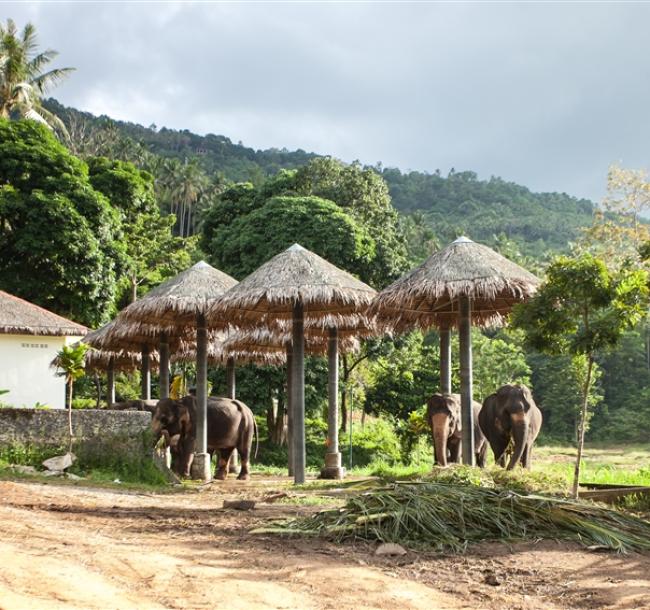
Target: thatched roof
177	301
121	336
98	360
20	317
354	325
218	356
293	276
269	342
428	295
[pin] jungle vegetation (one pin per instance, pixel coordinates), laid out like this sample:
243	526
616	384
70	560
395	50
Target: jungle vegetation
91	220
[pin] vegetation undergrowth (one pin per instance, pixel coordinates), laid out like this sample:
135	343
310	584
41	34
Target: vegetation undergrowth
129	469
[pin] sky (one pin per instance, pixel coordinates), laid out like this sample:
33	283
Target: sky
548	95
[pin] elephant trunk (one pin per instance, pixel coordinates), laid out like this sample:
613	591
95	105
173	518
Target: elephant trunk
440	434
519	423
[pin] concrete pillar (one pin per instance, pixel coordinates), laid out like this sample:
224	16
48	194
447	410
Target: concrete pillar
298	394
163	381
231	391
230	377
289	408
333	468
445	361
110	382
145	375
201	465
466	390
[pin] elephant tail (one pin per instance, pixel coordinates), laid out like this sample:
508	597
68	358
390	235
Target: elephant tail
257	438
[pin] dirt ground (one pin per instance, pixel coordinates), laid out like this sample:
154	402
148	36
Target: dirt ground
76	547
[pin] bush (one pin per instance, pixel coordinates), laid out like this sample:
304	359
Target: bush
84	403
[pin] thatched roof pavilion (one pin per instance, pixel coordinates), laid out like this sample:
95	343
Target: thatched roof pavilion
463	283
20	317
177	304
429	295
296	285
177	301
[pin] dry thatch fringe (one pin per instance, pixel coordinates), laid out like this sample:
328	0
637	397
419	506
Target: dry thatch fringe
120	336
20	317
177	301
429	294
293	276
99	360
356	325
269	341
445	516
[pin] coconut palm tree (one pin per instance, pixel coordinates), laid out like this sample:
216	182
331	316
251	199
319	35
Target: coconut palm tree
22	79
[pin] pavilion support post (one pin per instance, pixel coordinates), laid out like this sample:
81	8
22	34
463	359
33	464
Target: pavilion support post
231	391
110	382
445	361
201	463
163	380
145	375
298	394
333	468
466	391
290	408
230	377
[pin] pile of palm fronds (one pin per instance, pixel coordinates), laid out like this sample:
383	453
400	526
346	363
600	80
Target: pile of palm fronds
444	516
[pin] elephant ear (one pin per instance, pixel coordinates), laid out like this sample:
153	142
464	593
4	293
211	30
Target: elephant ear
527	398
173	441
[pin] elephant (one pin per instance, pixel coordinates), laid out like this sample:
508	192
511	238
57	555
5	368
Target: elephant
510	414
134	405
231	425
443	417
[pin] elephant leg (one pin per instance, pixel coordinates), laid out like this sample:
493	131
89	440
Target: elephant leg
526	458
244	455
499	446
454	446
481	456
222	464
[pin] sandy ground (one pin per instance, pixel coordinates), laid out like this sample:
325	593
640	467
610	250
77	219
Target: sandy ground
76	547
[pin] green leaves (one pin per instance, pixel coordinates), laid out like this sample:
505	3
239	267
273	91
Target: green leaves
582	307
70	360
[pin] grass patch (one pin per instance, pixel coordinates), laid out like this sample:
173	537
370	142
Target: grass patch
135	469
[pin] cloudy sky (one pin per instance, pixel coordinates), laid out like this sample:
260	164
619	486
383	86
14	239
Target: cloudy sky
544	94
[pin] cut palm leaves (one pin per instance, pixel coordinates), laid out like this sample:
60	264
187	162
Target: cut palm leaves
443	516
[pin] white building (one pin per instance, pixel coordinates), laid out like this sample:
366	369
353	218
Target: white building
30	338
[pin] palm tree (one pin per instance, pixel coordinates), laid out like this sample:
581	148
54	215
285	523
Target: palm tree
22	79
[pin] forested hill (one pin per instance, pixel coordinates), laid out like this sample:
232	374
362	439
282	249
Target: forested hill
457	203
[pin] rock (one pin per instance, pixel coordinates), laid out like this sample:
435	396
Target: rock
239	504
72	477
390	548
24	469
60	462
52	473
491	579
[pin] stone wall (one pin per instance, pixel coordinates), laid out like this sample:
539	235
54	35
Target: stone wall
95	431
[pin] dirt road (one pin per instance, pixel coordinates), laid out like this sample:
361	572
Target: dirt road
93	549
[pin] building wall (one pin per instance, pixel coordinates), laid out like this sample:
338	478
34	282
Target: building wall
25	370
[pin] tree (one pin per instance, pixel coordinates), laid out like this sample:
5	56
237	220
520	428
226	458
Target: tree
152	253
582	309
618	234
59	237
22	79
71	360
242	246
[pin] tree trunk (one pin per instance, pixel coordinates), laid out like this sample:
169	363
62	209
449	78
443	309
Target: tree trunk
134	290
70	415
583	420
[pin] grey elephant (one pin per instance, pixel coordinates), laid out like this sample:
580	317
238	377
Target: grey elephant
511	415
443	417
231	425
134	405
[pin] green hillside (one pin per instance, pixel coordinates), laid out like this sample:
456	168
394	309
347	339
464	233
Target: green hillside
486	210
